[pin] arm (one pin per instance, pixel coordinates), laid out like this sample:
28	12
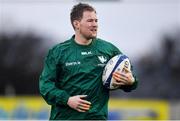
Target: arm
128	81
47	87
54	95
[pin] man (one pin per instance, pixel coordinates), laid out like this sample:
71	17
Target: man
71	79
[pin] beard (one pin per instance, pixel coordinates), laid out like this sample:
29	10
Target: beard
89	36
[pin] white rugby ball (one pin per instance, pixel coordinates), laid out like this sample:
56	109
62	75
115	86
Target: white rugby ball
116	63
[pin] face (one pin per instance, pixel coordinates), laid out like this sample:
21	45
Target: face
87	26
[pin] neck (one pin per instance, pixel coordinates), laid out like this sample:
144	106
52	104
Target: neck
79	39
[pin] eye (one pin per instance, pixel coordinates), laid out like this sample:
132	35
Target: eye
90	20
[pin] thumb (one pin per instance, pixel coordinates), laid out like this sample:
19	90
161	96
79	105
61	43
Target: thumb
82	96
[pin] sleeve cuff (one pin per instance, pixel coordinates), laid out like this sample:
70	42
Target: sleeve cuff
62	98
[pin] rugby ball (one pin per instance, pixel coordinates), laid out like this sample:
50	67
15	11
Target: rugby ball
116	63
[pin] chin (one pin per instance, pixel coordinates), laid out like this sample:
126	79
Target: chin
94	36
91	37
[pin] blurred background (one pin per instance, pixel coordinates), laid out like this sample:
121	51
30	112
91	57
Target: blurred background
148	31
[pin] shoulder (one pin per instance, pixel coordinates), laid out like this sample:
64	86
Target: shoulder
105	43
107	47
61	46
58	48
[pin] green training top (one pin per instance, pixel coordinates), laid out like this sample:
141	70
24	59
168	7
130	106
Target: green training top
71	69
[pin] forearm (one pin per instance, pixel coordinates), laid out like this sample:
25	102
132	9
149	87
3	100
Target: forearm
51	94
56	96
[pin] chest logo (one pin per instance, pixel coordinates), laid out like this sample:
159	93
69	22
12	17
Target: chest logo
86	53
102	59
73	63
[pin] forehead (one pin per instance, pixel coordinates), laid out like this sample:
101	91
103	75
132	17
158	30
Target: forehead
89	15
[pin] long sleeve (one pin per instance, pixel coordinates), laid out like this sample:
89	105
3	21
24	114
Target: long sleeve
48	78
127	88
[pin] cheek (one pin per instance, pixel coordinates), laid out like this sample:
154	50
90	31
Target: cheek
85	25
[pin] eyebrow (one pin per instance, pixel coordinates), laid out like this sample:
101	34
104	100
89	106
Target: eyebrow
92	19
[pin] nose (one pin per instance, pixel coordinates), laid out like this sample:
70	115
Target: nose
95	23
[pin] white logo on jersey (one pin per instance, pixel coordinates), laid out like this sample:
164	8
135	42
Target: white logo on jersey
86	53
102	59
73	63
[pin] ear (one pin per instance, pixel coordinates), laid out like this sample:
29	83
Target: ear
76	24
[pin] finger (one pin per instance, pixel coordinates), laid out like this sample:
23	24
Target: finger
82	96
85	102
116	78
118	83
116	73
128	76
121	81
119	78
120	75
84	105
80	110
123	78
83	108
124	75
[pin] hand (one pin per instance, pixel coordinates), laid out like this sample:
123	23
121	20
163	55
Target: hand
123	78
77	103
